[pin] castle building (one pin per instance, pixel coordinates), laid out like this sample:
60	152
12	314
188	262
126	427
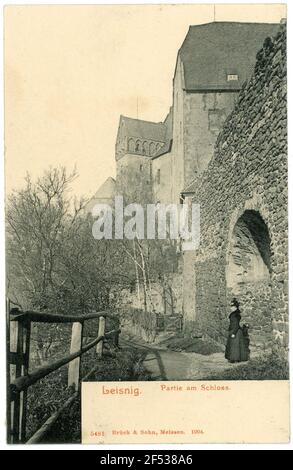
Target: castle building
223	145
212	65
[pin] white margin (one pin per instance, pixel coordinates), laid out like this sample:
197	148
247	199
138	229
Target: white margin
115	448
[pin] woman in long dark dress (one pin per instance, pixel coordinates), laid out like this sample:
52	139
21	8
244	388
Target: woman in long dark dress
237	346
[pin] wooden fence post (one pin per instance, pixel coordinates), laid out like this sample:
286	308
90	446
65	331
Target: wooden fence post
102	327
19	340
8	404
74	366
116	339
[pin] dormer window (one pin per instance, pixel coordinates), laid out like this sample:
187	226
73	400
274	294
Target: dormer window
232	78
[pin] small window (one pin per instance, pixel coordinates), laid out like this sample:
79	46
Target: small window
141	167
138	146
131	145
152	148
232	78
158	176
145	148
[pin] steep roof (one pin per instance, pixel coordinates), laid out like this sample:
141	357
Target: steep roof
105	195
212	51
144	129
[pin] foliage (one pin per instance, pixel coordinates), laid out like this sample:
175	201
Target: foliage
117	366
54	264
48	340
140	322
53	261
270	367
151	260
45	397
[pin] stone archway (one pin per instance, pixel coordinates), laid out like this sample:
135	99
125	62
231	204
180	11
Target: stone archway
248	276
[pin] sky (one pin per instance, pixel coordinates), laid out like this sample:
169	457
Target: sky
71	71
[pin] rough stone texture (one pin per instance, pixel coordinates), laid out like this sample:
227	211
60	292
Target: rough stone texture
166	300
197	121
248	175
133	179
181	147
162	174
204	116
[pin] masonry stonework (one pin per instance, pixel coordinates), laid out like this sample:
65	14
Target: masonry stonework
223	143
243	200
204	116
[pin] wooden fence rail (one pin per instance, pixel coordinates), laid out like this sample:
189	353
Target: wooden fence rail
39	317
19	379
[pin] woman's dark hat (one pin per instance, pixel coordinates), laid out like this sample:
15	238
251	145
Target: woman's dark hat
234	303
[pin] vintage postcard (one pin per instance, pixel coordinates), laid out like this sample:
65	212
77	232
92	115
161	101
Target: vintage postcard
146	224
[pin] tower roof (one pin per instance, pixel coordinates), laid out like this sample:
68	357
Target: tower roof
211	52
144	129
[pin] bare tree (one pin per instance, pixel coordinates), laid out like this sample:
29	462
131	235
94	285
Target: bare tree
53	261
151	264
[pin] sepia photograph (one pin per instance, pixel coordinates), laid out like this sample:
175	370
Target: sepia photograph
146	222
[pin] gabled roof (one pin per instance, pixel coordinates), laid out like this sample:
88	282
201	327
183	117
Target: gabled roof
212	51
105	195
147	130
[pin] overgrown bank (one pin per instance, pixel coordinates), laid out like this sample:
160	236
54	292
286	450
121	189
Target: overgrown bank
49	394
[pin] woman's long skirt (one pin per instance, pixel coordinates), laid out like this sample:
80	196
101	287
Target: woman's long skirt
236	348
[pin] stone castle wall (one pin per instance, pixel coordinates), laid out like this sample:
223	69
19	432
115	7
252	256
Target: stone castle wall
243	200
204	116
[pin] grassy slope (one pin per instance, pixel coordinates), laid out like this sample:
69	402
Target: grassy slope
121	365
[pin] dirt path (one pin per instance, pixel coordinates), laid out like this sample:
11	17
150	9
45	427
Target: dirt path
171	365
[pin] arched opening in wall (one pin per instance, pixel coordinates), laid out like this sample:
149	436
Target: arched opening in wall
131	145
152	148
138	146
248	276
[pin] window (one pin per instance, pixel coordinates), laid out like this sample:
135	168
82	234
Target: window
138	146
158	176
131	145
152	148
141	167
216	119
232	78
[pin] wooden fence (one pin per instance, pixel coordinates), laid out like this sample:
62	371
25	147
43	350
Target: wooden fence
19	379
172	323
